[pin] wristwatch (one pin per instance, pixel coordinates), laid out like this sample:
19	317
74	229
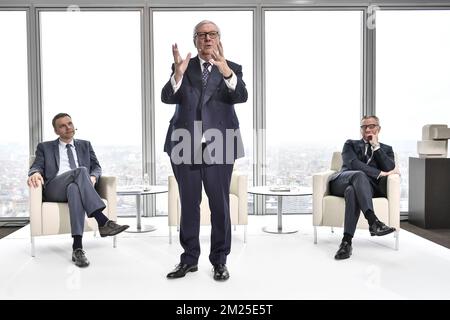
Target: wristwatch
229	77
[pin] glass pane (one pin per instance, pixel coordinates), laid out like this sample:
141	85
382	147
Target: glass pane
14	132
413	79
236	48
91	67
313	81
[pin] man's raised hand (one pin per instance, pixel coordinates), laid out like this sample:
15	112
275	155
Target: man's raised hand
180	64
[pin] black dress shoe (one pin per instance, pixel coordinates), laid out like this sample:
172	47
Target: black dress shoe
344	252
181	270
378	228
221	272
79	257
111	228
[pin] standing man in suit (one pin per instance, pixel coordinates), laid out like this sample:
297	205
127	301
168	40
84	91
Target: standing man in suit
204	89
69	170
366	165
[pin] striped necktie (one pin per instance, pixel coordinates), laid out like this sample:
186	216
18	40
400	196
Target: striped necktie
205	73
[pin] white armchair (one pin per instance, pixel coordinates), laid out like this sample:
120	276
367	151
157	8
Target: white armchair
329	210
238	204
50	218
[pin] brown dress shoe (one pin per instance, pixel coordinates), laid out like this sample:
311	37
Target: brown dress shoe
111	228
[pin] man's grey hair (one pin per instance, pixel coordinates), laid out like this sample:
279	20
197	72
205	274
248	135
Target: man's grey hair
371	117
198	25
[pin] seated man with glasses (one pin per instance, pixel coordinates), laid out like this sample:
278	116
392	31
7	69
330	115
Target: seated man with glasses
366	165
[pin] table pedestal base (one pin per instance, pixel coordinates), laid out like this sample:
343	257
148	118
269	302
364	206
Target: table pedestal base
141	229
279	231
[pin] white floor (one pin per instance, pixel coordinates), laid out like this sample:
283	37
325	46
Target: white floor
268	266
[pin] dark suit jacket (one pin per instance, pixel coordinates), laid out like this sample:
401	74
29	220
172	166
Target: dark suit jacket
47	159
216	104
353	159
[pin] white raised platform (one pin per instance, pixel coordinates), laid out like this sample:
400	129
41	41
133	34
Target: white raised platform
269	266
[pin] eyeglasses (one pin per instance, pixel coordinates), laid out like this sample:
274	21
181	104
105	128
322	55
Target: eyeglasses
370	126
211	34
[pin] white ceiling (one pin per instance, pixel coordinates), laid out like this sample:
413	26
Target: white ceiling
206	3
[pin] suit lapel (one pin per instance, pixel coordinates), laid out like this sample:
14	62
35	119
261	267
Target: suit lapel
56	152
362	145
194	73
77	145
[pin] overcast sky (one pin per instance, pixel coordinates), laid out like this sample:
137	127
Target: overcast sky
91	69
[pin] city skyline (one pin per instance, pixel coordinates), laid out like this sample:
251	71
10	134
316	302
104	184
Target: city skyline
289	165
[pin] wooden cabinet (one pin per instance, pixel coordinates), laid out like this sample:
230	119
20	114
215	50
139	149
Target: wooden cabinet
429	192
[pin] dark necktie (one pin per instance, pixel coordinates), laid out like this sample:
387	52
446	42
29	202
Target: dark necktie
369	152
71	158
205	73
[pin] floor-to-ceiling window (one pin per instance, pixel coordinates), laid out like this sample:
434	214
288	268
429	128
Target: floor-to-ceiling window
171	27
91	69
313	94
14	162
412	79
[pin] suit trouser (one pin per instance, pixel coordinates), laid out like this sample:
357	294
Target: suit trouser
75	188
216	179
358	190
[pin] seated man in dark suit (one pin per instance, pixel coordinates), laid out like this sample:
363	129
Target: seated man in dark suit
366	164
70	176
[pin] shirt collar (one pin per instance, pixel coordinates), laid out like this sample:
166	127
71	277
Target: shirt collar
203	61
63	144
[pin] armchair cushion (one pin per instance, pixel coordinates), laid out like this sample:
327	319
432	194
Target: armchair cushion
49	218
238	202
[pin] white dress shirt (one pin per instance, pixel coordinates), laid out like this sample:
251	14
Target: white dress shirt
64	165
231	83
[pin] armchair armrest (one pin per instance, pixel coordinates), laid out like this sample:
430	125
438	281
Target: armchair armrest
238	184
107	189
239	187
393	196
320	190
173	196
36	210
